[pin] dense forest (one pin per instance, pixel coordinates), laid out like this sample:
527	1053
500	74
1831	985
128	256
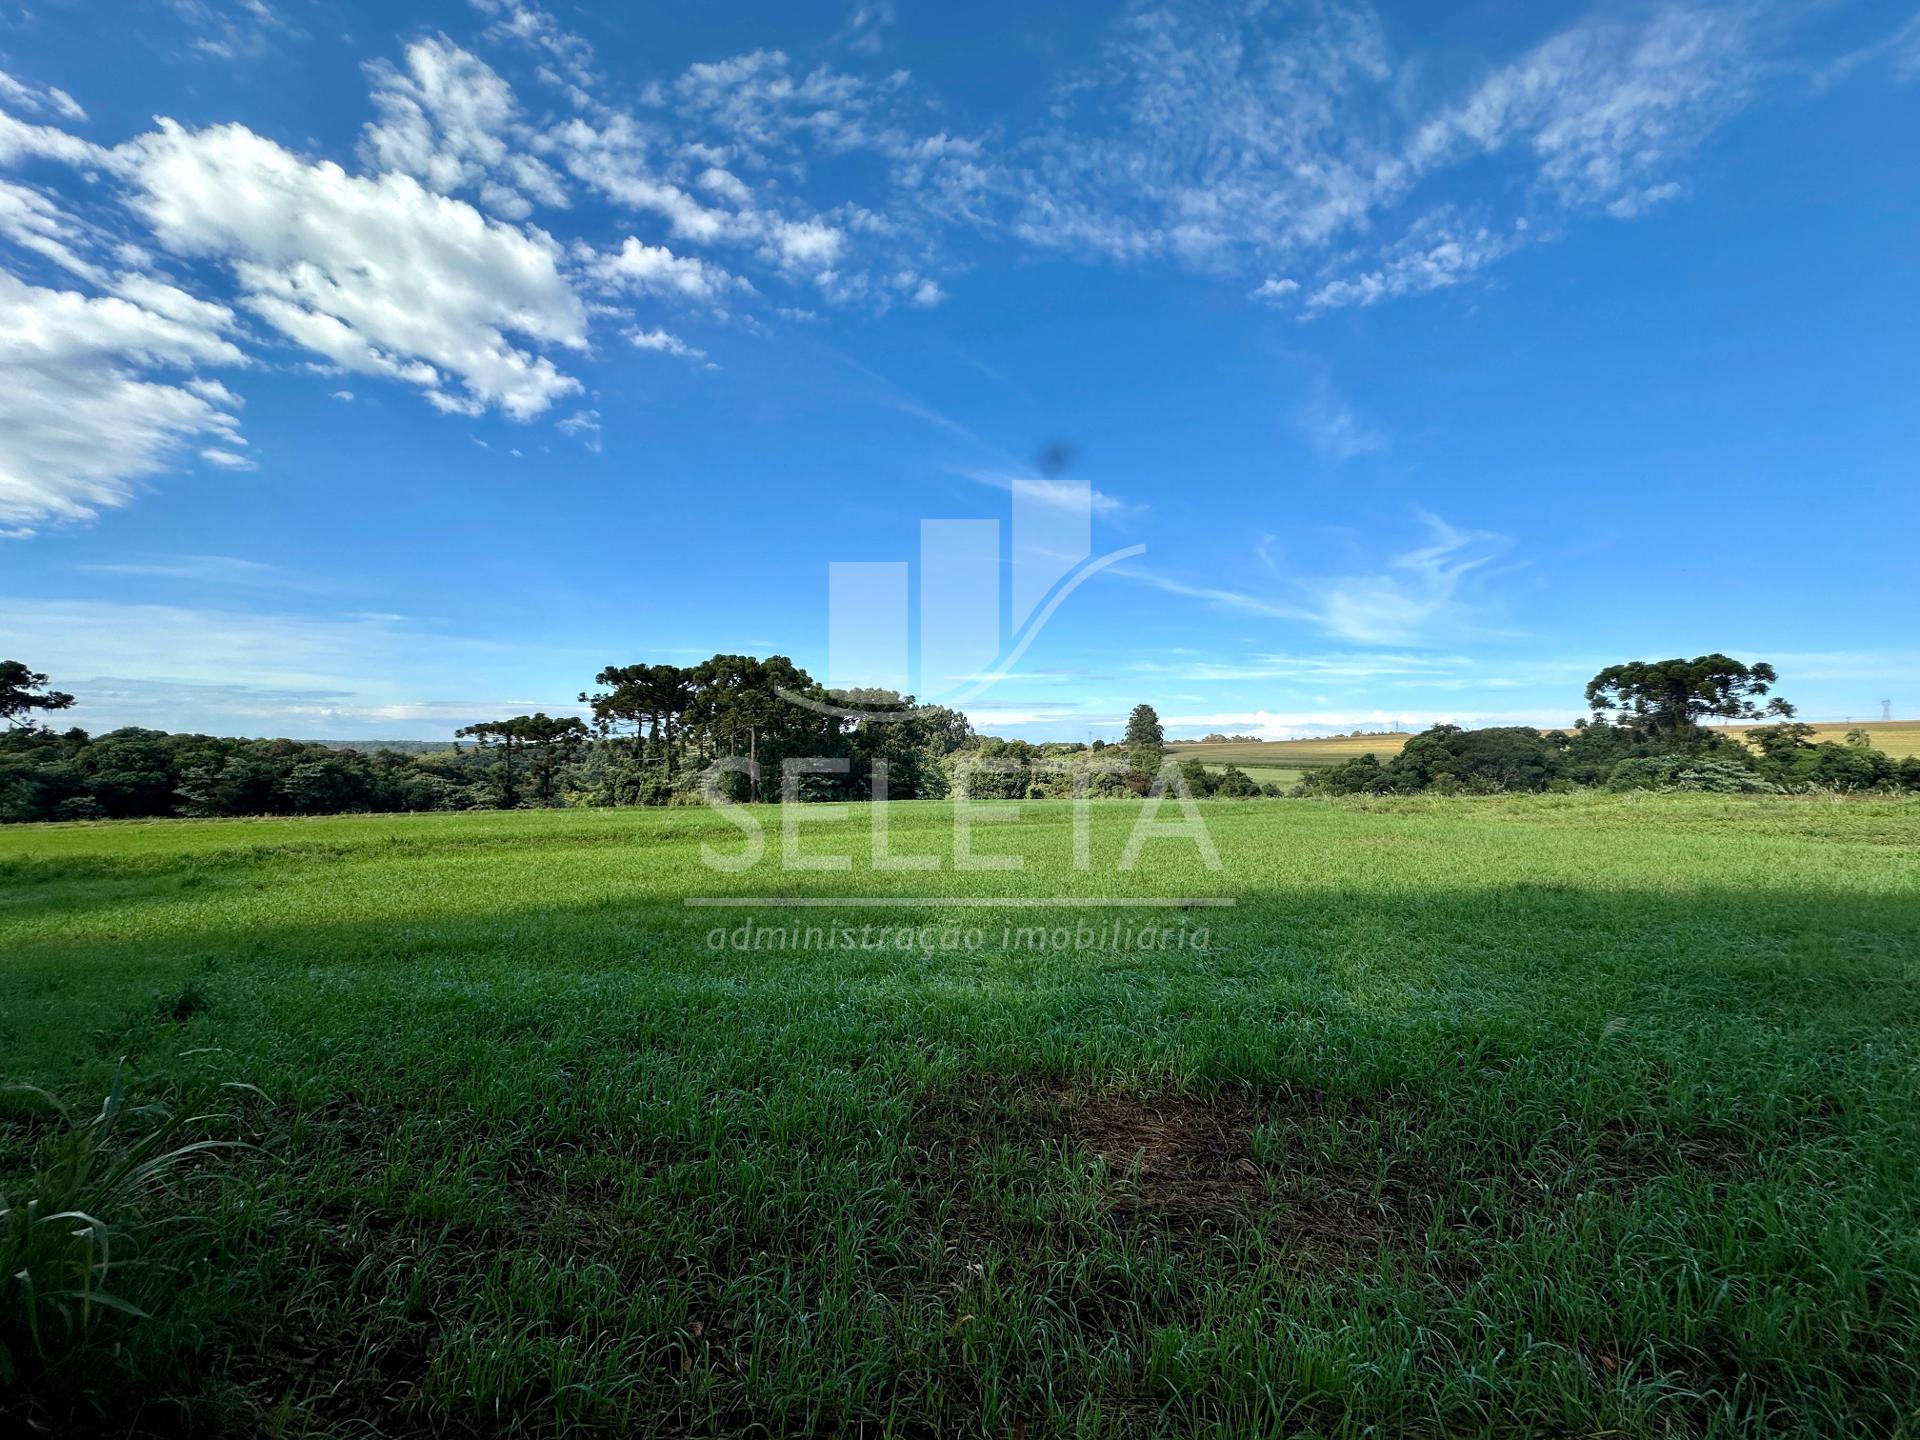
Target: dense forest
665	734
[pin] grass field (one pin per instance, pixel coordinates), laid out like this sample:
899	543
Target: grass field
1271	774
1584	1115
1289	754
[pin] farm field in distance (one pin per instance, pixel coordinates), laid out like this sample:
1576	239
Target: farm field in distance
1583	1114
1899	738
1295	755
1262	758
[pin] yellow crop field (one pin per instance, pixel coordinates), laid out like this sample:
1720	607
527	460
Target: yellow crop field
1899	738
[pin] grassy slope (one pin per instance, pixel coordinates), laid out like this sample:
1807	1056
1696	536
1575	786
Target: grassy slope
1477	1114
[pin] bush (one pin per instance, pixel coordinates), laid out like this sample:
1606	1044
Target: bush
1687	772
1236	784
1849	767
1447	760
1501	758
690	786
649	787
1200	782
1362	776
1789	759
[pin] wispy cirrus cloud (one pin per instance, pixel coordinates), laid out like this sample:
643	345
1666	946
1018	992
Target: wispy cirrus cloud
1421	595
1331	425
339	673
1309	669
41	99
1437	252
1256	137
226	30
1301	153
1282	141
1060	494
567	59
1898	51
34	221
204	570
1308	724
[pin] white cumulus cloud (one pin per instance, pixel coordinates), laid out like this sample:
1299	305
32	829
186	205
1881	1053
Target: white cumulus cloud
380	276
656	270
82	412
452	123
664	343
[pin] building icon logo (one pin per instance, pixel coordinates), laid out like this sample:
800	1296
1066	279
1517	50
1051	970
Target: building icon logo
978	608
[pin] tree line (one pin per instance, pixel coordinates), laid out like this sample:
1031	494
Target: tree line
1648	728
653	737
657	731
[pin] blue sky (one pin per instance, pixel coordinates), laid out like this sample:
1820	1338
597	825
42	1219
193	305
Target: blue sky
363	379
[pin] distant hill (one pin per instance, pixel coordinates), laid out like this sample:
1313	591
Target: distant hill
368	747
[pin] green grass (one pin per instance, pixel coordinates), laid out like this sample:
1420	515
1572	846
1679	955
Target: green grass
1268	774
80	1244
1575	1114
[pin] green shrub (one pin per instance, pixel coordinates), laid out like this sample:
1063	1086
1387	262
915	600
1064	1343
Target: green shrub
1790	759
1687	772
1479	762
1200	781
1849	767
1236	783
1362	776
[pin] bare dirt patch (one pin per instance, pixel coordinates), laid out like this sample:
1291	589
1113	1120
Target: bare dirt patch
1187	1167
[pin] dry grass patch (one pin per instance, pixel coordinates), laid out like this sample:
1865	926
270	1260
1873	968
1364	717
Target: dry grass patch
1180	1168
